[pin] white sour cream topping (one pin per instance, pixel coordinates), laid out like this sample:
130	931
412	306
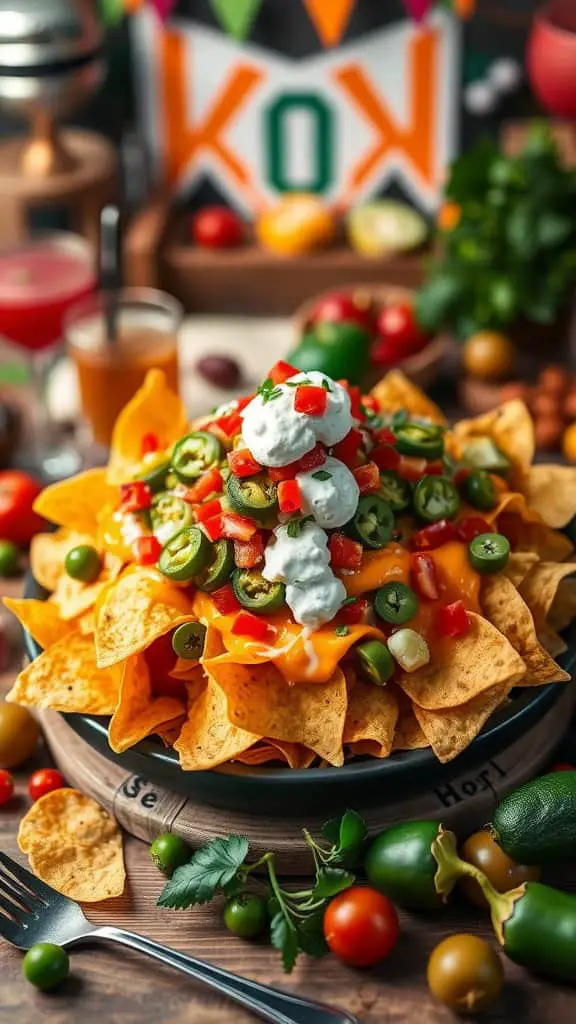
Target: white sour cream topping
331	501
276	434
313	593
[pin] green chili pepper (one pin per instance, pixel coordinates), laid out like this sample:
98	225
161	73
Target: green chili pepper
194	454
373	522
254	496
188	640
375	661
256	593
489	552
219	569
185	554
395	490
423	441
400	863
435	498
340	350
396	603
168	515
483	453
479	490
155	477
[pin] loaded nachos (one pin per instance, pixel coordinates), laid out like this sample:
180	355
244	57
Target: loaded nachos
306	575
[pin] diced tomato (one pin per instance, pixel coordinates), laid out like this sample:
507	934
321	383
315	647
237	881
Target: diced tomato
461	475
289	497
242	463
250	625
210	483
149	443
424	576
230	424
436	468
370	403
279	473
311	460
281	372
237	527
354	612
356	402
433	536
209	510
146	550
411	469
225	600
213	527
134	497
241	403
347	449
248	553
452	620
384	436
311	400
385	456
470	527
344	553
368	478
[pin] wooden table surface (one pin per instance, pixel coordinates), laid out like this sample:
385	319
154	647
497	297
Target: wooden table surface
119	987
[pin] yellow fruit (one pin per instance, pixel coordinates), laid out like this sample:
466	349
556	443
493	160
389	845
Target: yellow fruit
569	443
298	224
489	355
19	733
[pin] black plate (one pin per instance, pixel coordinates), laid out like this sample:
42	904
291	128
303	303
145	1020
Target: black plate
285	792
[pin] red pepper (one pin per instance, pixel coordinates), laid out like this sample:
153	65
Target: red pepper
248	553
356	402
411	469
433	536
436	468
281	372
368	478
230	424
210	483
424	576
344	553
250	625
355	612
213	527
209	510
149	443
311	400
146	550
347	449
135	496
241	403
461	475
242	463
384	436
289	496
452	620
237	527
279	473
370	403
225	599
312	459
470	527
385	456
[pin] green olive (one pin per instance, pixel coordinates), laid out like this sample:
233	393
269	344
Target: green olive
482	850
465	973
169	851
18	734
46	966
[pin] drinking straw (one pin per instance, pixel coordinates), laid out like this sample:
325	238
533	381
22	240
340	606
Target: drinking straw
110	269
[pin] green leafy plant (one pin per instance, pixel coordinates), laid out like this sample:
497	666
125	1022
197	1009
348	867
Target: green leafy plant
222	867
510	253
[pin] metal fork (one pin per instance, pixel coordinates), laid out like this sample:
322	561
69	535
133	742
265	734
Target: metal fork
31	911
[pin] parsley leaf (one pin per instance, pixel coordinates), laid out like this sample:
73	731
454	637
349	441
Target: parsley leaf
284	937
268	390
326	385
347	835
311	936
296	525
321	474
331	881
212	867
341	630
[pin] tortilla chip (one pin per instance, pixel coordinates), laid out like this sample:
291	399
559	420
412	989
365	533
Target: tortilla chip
407	735
48	551
462	669
77	502
505	608
261	701
135	610
540	586
563	610
511	428
208	738
551	641
154	409
396	392
551	491
74	597
519	565
40	618
169	732
138	712
74	846
451	730
65	678
535	536
265	751
371	719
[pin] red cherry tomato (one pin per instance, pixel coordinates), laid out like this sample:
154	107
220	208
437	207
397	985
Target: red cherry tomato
44	781
344	307
18	521
396	322
385	352
217	227
6	787
361	926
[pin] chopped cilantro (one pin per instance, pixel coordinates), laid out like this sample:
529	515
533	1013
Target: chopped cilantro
321	474
342	631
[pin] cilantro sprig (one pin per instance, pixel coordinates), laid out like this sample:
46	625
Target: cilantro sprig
222	867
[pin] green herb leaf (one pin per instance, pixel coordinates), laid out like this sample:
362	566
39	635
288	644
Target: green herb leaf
311	935
268	390
284	937
399	418
331	829
212	867
331	881
321	474
296	525
326	385
341	630
352	834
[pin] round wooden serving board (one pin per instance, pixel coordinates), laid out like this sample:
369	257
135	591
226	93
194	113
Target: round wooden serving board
145	809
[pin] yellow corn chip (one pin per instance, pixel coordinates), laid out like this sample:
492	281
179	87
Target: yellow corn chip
139	713
77	502
510	427
540	586
48	551
292	754
551	641
371	719
407	734
535	536
551	491
563	610
396	392
74	598
519	565
65	678
208	738
40	618
451	730
464	668
155	409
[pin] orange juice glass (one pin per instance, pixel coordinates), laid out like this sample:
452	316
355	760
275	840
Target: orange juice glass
109	373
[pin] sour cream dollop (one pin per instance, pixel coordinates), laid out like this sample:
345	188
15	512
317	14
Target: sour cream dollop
313	592
276	434
329	493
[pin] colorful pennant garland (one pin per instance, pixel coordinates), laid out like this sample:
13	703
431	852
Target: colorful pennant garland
330	18
236	16
418	10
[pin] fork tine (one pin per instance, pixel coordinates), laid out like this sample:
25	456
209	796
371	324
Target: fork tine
12	908
26	878
12	888
8	929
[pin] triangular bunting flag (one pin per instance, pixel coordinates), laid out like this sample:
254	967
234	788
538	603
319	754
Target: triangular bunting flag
236	16
330	18
164	8
417	9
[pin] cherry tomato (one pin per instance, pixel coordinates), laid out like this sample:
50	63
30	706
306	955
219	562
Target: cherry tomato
385	352
396	322
217	227
18	521
44	781
6	787
344	307
361	926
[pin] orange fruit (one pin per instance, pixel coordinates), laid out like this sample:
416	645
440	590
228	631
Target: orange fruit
488	355
569	443
298	224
